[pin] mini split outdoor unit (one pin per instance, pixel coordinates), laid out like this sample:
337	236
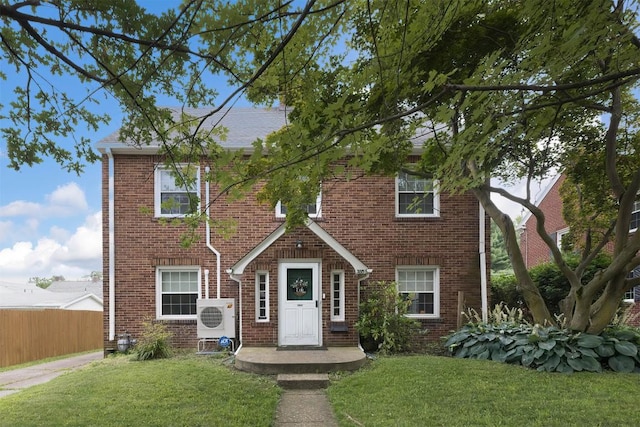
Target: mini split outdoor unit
216	317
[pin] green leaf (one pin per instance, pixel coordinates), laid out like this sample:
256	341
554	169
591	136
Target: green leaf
564	368
547	345
626	348
589	340
605	350
552	363
621	363
585	363
588	352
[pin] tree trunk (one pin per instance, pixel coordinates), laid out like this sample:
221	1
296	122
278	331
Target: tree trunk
530	291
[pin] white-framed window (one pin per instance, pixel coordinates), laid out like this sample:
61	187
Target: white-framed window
416	196
313	209
177	289
262	296
635	216
176	195
337	296
420	284
630	295
559	235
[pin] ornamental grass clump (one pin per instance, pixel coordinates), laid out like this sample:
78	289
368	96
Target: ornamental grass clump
154	342
548	348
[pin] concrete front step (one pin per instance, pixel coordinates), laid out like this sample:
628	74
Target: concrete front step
271	360
303	381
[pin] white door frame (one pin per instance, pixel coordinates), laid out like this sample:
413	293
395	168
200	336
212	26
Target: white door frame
313	306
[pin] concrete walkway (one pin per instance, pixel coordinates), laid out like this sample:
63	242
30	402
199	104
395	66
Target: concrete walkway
14	380
304	408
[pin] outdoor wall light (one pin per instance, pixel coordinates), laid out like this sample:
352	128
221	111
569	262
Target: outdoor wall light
299	244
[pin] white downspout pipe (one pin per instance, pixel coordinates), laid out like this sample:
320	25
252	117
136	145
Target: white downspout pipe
206	284
112	248
483	264
237	279
209	245
360	280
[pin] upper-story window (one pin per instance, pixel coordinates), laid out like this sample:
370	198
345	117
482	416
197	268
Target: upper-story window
635	216
416	196
177	192
312	209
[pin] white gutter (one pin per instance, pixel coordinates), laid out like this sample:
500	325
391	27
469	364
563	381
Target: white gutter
112	250
483	264
236	278
360	280
209	245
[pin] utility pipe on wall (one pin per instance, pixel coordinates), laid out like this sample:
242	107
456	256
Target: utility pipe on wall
209	245
206	283
483	264
112	249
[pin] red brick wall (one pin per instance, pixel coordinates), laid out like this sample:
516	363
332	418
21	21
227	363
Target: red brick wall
360	214
534	250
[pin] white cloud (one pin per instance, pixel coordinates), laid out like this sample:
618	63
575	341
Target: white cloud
19	208
72	258
65	200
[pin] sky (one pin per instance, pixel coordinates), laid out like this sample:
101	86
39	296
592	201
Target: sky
50	220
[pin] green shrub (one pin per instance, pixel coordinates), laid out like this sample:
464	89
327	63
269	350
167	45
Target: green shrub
553	286
154	342
504	289
548	348
382	320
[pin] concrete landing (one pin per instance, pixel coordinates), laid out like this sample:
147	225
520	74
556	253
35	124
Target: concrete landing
271	360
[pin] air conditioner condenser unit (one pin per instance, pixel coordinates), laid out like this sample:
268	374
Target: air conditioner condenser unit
216	317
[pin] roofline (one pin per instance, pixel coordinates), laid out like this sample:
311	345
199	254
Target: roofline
527	216
358	266
83	297
148	150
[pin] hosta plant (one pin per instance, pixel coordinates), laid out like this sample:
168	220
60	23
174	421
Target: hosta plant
548	348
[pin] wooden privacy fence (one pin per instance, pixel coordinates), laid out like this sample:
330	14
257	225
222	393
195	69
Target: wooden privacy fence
27	335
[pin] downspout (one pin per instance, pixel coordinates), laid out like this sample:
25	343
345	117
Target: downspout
112	249
483	264
209	245
237	279
360	280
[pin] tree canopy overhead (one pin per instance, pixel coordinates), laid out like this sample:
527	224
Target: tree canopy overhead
511	89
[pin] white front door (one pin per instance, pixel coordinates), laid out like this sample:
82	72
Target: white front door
299	314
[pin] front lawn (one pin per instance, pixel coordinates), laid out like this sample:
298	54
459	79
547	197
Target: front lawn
181	391
440	391
194	390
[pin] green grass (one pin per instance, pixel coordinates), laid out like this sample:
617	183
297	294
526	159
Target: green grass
189	390
181	391
439	391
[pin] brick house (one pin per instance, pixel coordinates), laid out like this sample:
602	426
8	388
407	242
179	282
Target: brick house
297	288
536	252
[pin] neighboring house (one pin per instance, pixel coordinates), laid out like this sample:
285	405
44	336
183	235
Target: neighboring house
86	286
535	251
29	296
301	288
